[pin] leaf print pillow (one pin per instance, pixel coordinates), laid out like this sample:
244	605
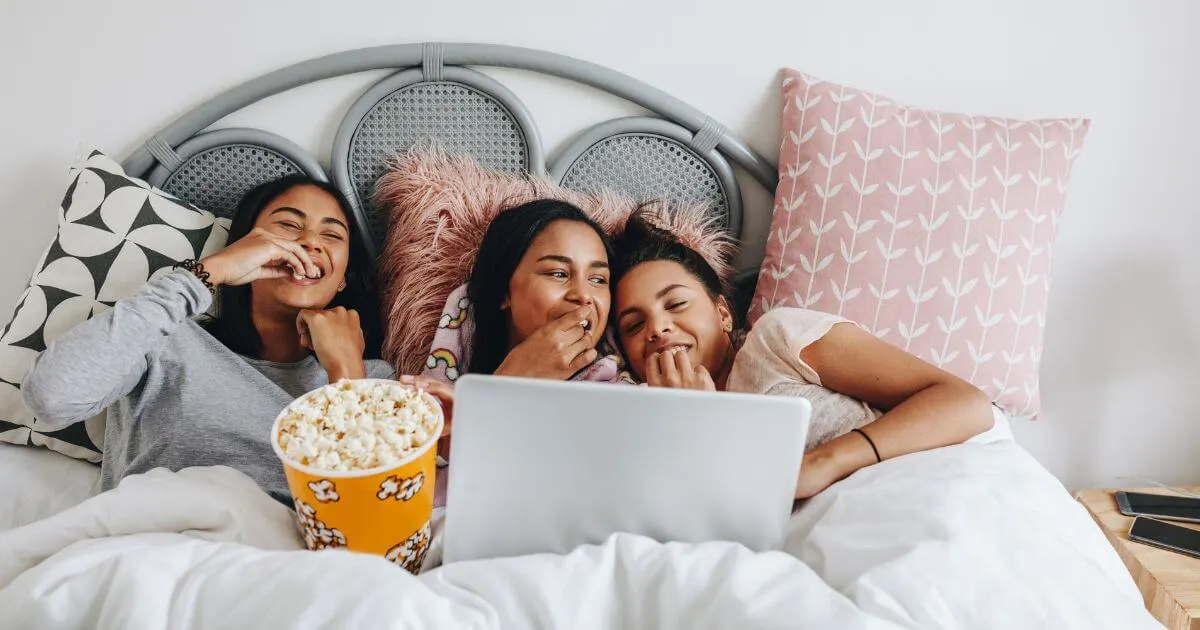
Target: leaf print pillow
933	230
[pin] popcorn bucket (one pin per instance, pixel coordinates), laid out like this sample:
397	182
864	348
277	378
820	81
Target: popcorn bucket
384	511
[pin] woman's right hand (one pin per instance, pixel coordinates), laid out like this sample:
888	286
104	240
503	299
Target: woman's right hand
672	368
443	392
557	350
256	256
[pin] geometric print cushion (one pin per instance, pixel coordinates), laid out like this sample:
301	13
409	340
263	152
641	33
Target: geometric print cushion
933	230
114	234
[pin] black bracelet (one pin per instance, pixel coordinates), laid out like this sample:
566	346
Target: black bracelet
871	442
197	269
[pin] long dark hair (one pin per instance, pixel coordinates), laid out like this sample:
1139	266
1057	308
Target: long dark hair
504	244
233	325
644	242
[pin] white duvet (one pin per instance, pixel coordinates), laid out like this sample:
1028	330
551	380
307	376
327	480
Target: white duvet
972	536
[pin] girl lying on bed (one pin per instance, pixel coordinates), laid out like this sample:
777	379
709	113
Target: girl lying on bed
871	401
536	305
297	310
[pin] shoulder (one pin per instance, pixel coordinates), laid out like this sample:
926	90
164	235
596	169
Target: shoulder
194	331
792	328
376	368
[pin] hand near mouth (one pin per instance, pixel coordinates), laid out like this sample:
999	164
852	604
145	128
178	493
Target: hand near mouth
259	255
673	368
560	348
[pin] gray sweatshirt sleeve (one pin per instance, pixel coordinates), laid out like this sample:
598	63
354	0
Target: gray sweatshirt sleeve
94	364
379	369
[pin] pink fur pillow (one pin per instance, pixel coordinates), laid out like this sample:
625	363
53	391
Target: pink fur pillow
441	205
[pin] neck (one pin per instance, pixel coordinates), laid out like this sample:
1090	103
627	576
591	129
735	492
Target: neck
722	375
280	341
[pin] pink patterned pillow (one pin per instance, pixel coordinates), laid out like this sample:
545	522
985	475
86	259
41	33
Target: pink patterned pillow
933	230
440	206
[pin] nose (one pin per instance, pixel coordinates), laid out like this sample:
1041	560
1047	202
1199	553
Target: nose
310	242
579	292
659	325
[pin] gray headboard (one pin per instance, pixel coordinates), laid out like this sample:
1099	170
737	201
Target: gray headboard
680	155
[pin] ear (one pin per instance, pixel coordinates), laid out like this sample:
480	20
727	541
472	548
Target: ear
725	314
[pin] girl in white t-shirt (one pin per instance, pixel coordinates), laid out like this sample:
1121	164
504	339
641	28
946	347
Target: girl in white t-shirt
871	401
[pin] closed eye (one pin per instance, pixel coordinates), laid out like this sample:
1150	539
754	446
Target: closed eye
677	305
333	235
291	225
634	326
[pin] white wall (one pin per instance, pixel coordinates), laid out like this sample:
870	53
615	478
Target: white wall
1120	367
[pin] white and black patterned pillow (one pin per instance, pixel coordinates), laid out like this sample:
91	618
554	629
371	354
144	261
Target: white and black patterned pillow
115	233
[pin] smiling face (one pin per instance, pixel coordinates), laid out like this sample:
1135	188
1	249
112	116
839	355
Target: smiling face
311	217
565	266
660	305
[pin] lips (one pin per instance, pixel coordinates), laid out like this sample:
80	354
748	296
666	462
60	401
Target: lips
588	321
667	345
304	280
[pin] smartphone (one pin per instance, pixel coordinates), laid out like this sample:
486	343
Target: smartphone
1166	536
1159	506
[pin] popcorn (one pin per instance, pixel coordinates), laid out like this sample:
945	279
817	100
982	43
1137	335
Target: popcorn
357	425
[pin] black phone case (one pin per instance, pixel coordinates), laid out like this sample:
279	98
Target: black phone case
1154	542
1124	508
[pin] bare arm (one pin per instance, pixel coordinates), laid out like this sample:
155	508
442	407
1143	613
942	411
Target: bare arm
924	407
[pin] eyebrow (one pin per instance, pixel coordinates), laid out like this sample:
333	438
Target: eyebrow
566	260
657	296
300	213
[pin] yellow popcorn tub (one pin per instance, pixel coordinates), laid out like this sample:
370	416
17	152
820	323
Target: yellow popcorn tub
384	510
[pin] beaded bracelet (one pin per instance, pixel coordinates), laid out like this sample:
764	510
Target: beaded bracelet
197	269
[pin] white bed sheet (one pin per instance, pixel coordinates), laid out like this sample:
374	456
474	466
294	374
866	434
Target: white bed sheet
969	536
39	483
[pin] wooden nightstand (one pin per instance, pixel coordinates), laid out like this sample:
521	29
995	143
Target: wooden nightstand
1169	581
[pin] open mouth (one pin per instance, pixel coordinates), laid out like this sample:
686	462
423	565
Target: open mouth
668	347
300	278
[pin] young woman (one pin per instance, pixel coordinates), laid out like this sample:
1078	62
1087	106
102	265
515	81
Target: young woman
871	401
536	304
297	310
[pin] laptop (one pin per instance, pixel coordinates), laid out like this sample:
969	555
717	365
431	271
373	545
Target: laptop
542	466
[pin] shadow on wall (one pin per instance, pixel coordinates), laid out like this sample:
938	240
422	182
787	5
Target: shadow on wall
760	130
1121	377
31	228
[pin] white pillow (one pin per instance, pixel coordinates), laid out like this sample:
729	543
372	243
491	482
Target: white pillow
39	484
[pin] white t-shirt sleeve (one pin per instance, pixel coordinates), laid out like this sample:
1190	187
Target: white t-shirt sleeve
772	347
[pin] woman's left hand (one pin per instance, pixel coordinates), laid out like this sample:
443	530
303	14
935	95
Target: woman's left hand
831	462
336	337
816	473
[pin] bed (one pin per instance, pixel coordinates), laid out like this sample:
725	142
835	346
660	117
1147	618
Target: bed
977	535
